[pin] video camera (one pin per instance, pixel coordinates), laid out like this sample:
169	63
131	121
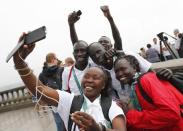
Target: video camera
170	47
160	36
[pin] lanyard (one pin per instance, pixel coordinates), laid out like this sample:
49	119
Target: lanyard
84	106
77	82
133	95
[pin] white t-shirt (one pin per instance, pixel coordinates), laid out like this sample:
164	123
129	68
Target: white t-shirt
93	108
72	83
177	43
143	63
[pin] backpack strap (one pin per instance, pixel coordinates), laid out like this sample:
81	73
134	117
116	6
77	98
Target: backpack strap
76	106
142	92
106	104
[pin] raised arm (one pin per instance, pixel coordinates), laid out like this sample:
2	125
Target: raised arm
176	79
72	19
47	94
115	31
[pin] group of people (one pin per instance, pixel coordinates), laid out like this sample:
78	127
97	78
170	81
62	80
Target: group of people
106	89
159	51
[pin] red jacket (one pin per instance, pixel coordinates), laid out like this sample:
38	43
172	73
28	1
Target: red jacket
164	114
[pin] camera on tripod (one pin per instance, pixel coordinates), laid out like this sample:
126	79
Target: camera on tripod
170	48
161	37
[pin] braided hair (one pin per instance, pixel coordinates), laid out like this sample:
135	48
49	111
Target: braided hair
131	59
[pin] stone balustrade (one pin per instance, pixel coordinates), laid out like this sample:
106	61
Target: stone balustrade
14	99
20	98
175	65
18	113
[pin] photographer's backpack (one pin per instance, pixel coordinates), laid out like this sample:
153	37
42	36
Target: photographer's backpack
148	98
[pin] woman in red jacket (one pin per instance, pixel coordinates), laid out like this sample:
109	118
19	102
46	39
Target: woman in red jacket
163	113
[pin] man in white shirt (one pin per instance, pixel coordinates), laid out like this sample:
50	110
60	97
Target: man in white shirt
177	41
156	45
71	77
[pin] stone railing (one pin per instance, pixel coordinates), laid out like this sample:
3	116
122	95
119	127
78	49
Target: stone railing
19	97
14	99
175	65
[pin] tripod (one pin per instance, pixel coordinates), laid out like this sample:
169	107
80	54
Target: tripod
173	52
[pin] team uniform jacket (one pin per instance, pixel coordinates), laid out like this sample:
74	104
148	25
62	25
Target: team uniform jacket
164	114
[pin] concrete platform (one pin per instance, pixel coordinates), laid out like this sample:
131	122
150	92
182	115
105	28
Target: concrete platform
26	119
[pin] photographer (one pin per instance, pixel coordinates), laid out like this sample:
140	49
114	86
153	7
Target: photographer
177	41
180	51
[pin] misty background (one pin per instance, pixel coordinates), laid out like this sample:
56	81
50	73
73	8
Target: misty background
138	23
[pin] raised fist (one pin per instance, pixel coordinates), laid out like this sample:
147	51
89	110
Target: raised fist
106	11
74	17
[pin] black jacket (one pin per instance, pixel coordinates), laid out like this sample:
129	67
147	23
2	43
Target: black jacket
51	76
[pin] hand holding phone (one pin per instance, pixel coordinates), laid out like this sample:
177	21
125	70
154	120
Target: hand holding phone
35	35
29	38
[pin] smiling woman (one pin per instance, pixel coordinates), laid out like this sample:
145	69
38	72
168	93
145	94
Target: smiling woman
125	69
154	104
90	117
94	82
